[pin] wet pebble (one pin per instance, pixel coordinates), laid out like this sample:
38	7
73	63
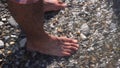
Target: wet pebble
12	43
4	19
1	23
13	36
6	38
12	21
1	44
85	29
22	42
90	49
83	37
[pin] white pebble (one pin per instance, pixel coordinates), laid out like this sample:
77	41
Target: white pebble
14	36
93	1
1	44
12	21
85	29
6	44
90	49
4	19
83	37
12	43
1	23
119	60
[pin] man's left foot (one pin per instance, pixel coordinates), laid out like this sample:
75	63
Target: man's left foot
53	5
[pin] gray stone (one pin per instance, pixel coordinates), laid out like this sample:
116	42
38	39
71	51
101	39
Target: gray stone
1	23
22	42
83	37
85	29
7	37
1	44
90	49
113	27
12	21
93	1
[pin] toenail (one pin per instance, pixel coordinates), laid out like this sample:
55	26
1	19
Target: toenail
60	1
77	45
75	41
76	48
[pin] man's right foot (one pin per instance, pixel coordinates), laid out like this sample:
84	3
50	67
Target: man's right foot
57	46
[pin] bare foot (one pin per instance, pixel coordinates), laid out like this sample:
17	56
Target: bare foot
57	46
53	5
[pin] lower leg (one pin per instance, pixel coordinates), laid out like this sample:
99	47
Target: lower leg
30	17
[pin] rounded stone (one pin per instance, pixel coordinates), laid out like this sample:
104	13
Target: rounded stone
1	44
85	29
23	42
1	23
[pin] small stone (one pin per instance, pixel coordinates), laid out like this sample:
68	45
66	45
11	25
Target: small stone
73	61
61	64
12	21
59	30
113	27
92	65
17	63
7	37
1	23
1	60
6	44
52	26
4	19
78	33
9	52
1	51
102	65
93	59
22	42
70	65
83	37
17	30
85	29
12	43
14	36
118	60
1	44
90	49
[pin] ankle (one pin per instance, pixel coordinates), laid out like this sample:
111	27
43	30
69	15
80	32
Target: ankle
41	37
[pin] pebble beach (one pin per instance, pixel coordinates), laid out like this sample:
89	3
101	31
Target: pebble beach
94	23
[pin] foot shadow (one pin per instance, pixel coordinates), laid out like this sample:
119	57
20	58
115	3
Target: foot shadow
50	14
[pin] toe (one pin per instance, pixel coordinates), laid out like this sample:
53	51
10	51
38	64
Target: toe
62	5
75	45
71	46
65	54
65	39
